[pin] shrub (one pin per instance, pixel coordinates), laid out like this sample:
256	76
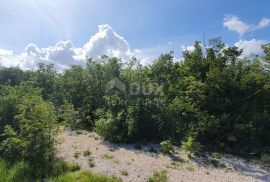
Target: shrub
190	168
124	172
76	154
87	153
91	164
158	176
166	147
32	135
190	146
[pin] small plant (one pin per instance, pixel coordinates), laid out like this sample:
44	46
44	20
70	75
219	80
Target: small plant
190	167
166	147
62	167
91	163
175	165
264	161
215	162
128	163
116	161
190	146
107	156
124	172
158	176
87	153
79	132
76	154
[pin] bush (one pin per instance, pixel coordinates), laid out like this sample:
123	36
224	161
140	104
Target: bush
31	137
166	147
190	146
158	176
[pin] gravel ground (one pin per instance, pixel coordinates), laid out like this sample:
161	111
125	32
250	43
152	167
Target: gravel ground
113	159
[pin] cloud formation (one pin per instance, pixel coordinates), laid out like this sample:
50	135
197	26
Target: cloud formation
105	42
233	23
250	48
63	54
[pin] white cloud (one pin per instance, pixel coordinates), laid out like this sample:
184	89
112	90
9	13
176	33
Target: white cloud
63	54
190	48
250	47
233	23
265	22
108	42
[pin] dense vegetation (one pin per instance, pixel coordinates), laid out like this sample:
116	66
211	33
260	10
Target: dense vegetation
211	98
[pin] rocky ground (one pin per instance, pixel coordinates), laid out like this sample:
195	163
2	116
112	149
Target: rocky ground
137	165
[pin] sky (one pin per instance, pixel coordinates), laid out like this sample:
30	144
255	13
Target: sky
64	32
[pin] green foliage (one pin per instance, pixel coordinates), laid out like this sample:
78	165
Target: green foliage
124	172
87	153
29	134
166	147
83	176
69	115
158	176
191	146
91	164
213	95
13	173
266	50
107	156
62	167
264	160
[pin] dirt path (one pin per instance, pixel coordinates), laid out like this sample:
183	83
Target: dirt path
114	159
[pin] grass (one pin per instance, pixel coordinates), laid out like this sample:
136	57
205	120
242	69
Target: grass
107	156
116	161
85	176
87	153
124	172
264	161
175	165
190	167
62	167
76	154
216	163
158	176
12	173
91	164
61	172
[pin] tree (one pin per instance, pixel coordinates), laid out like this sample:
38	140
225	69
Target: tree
31	135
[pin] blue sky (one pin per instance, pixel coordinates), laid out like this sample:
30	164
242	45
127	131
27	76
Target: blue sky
147	28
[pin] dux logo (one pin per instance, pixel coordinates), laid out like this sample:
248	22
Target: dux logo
134	88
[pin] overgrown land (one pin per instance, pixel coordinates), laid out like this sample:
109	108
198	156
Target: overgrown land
213	100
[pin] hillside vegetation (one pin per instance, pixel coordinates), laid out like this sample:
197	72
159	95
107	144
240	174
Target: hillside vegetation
211	100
